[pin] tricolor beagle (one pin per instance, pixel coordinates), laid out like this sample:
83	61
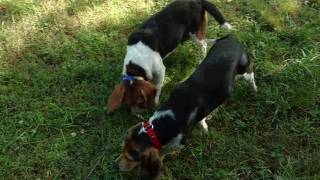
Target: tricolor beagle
189	103
143	69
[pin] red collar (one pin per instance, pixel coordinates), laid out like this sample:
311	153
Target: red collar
148	128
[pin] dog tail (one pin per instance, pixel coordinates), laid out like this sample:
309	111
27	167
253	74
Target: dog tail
214	11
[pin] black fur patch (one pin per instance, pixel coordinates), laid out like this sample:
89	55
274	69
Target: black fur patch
165	30
133	69
206	89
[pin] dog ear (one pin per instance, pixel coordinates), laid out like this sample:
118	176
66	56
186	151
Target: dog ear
148	91
116	97
151	163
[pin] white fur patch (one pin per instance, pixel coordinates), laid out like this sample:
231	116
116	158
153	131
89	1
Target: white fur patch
204	125
160	114
202	43
150	60
226	25
250	77
143	56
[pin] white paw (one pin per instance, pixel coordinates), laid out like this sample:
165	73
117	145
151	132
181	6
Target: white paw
204	125
226	25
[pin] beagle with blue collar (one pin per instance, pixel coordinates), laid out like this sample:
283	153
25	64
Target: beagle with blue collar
189	104
143	68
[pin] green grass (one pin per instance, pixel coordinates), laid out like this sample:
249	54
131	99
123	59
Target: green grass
59	62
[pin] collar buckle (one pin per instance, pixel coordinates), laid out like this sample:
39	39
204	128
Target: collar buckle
146	127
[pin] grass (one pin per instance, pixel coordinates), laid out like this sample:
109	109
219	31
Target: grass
59	61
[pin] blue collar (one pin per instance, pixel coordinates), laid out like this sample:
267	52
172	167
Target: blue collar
128	78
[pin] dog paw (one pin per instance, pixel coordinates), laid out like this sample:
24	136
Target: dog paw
226	25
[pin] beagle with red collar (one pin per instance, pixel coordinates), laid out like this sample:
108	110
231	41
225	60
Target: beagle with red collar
143	69
189	104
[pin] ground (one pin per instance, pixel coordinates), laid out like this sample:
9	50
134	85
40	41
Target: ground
60	60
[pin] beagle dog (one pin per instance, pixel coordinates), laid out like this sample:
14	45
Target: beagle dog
143	69
189	104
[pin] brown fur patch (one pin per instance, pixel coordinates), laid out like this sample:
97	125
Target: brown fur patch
151	163
201	33
140	94
116	97
137	95
126	162
149	158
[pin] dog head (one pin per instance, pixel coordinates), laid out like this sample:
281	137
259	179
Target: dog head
138	151
136	94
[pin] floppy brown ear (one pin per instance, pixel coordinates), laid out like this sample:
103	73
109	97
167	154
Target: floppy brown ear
116	97
151	164
148	92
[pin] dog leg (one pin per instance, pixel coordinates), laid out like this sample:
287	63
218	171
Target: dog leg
200	36
246	71
250	78
202	44
204	125
226	25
